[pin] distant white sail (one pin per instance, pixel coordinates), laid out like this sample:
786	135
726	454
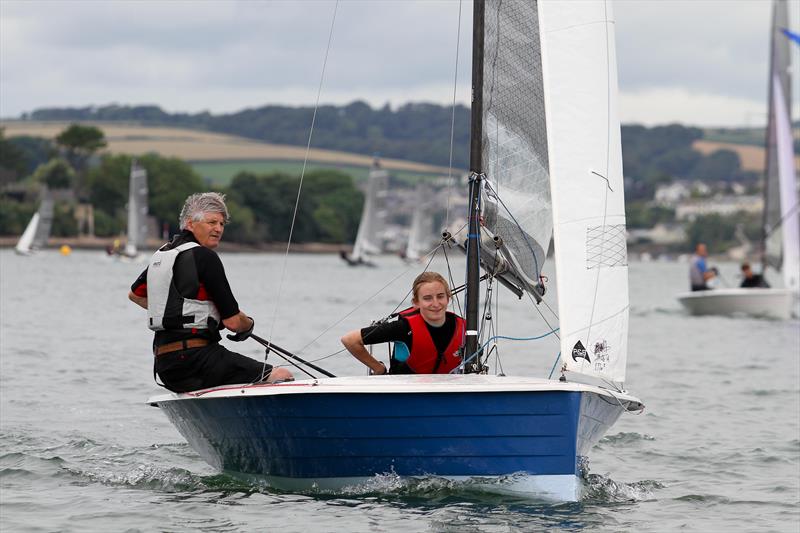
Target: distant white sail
26	239
45	212
137	210
37	232
421	233
367	241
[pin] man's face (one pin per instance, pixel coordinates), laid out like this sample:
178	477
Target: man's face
701	250
208	231
432	302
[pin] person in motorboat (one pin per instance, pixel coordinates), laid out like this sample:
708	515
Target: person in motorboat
188	300
750	279
699	272
427	337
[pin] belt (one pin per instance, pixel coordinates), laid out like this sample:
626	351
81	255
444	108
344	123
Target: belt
180	345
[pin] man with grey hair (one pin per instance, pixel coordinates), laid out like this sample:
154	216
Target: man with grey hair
188	300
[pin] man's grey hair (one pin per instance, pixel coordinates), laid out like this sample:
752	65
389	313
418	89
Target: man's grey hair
199	204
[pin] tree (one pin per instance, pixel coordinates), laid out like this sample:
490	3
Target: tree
169	181
35	151
721	165
717	230
12	160
79	143
56	174
329	208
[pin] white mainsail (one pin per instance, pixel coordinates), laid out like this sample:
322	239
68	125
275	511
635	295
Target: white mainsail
367	241
781	220
516	200
137	210
585	155
420	234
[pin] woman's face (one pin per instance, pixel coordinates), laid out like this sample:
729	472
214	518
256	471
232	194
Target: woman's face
432	302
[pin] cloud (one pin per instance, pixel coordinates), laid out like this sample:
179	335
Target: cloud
224	56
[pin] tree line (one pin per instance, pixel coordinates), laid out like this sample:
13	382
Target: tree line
261	206
421	132
330	204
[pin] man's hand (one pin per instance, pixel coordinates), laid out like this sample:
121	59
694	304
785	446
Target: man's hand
242	335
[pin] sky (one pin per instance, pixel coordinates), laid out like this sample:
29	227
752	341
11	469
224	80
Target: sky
696	62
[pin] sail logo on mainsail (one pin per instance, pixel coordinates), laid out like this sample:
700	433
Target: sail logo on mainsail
601	355
579	352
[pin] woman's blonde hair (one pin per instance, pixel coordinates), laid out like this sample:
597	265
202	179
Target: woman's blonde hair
428	277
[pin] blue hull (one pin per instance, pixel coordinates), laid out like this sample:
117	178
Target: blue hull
318	436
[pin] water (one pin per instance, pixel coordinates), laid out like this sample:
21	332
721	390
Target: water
717	449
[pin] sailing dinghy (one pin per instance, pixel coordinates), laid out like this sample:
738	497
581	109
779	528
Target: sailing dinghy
367	238
780	243
546	159
38	229
137	211
137	216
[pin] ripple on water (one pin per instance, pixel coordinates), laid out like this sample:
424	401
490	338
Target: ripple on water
626	438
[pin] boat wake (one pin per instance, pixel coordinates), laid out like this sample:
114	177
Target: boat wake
599	489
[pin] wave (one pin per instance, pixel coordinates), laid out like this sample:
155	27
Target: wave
625	438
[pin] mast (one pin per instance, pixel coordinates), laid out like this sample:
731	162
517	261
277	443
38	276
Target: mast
476	172
769	141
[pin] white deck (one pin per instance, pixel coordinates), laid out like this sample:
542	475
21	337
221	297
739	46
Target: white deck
400	384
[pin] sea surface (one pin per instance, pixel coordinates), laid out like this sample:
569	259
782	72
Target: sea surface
716	449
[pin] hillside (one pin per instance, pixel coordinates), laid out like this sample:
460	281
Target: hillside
201	146
751	157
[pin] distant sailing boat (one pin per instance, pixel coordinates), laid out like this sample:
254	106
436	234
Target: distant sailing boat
137	210
421	237
780	244
546	159
38	229
367	240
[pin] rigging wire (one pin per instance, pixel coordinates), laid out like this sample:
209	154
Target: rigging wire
302	175
453	121
357	307
494	338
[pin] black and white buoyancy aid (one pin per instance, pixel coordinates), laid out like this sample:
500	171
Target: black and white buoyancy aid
166	308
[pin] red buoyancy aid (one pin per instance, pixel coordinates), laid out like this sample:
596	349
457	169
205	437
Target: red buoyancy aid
424	357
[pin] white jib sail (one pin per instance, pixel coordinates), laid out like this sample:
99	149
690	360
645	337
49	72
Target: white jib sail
26	239
585	155
137	210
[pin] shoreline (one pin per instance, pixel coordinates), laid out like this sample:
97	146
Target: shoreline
103	243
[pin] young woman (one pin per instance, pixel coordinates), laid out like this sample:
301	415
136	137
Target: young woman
427	337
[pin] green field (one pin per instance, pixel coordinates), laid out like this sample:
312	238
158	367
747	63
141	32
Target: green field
748	137
222	172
